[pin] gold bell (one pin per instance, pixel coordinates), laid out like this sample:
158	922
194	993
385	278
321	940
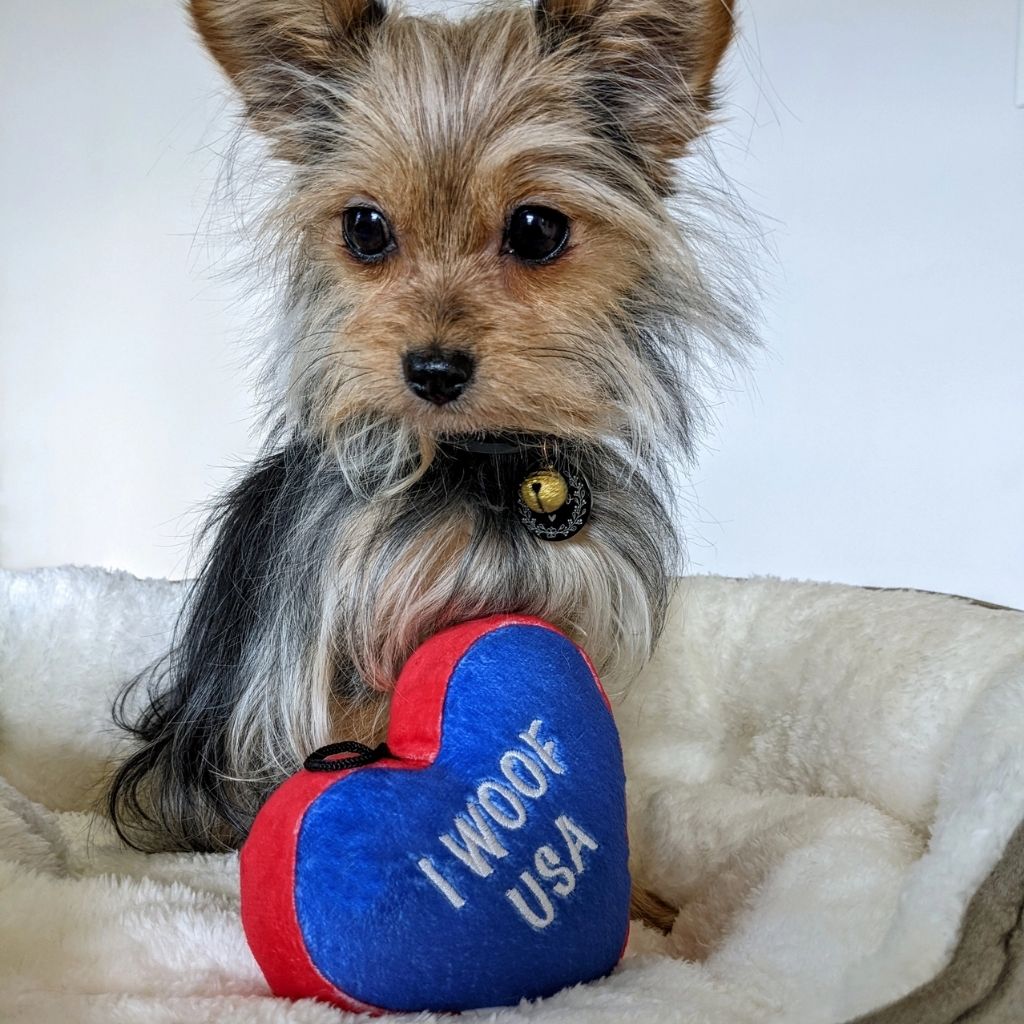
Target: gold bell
544	491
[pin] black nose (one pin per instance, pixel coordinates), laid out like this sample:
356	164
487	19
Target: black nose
437	375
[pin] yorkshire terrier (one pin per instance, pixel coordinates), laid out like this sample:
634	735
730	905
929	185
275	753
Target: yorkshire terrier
485	275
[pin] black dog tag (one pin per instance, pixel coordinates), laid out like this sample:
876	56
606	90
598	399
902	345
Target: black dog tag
553	505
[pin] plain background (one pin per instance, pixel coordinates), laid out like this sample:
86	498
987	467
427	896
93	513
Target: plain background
880	440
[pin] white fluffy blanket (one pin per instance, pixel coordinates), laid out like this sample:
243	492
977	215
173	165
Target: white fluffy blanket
820	777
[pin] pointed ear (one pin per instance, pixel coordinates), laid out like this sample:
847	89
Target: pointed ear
267	46
653	63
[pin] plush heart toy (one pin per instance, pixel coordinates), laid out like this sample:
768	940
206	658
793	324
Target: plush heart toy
481	860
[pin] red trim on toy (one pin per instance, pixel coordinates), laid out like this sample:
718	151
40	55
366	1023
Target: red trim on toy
267	867
423	684
593	672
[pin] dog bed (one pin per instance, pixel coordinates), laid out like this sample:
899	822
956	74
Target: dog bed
828	781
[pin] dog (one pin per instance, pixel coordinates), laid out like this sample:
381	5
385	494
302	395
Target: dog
485	277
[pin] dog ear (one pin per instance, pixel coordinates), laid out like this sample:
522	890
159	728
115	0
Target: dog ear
268	48
653	63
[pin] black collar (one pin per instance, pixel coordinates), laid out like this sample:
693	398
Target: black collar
486	444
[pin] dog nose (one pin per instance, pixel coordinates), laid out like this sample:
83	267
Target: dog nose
436	375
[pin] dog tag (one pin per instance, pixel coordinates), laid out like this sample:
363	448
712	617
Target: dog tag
553	505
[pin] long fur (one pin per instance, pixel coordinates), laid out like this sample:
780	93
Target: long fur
366	526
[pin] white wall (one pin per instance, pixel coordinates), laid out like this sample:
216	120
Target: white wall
120	401
883	443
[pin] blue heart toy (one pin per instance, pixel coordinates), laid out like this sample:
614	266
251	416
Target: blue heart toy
481	860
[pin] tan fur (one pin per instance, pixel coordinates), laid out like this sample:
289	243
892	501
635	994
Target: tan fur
652	910
247	35
446	127
663	54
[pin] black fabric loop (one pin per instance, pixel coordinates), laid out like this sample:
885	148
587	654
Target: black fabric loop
363	755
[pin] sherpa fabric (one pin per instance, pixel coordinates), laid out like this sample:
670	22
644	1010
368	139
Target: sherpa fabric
827	780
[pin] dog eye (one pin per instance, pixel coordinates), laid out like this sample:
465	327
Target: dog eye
536	234
367	232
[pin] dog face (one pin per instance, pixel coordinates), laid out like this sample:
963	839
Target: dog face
475	221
